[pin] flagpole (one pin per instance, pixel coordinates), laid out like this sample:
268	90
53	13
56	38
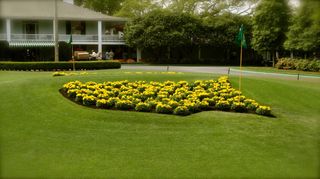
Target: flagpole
240	67
74	65
72	56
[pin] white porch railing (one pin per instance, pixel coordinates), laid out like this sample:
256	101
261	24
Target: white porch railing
63	37
113	38
31	37
79	38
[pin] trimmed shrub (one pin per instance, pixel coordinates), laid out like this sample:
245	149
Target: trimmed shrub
4	50
143	107
203	105
124	105
89	100
181	110
101	103
223	105
264	110
298	64
164	108
50	66
238	107
65	51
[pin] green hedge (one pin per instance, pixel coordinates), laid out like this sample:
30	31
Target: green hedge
298	64
51	66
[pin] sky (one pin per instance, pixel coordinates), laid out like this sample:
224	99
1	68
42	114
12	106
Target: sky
68	1
294	2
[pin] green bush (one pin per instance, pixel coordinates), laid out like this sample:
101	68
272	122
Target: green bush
164	108
102	103
298	64
124	105
50	66
223	105
314	65
4	50
181	110
143	107
111	102
203	105
264	110
238	107
65	51
89	100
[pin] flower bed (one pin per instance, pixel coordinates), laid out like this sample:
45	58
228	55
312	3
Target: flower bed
180	98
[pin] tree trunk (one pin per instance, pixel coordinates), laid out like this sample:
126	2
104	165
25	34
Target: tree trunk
291	54
199	53
138	55
273	59
268	57
169	52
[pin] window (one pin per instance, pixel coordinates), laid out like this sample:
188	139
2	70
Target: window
30	29
76	27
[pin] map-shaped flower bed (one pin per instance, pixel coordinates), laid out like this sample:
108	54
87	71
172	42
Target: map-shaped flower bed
180	98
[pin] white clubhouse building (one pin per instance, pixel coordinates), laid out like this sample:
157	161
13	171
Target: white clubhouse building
29	24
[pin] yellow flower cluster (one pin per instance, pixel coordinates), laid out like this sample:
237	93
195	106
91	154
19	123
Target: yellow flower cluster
62	73
154	73
181	98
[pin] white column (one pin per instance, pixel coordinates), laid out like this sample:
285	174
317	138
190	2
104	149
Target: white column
55	32
99	36
138	55
8	28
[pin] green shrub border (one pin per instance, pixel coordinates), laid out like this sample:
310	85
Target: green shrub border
54	66
298	64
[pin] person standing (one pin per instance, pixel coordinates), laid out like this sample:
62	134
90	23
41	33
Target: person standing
93	55
111	55
107	55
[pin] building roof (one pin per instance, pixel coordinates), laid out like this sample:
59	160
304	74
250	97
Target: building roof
44	9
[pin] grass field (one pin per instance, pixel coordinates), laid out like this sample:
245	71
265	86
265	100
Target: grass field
45	135
281	71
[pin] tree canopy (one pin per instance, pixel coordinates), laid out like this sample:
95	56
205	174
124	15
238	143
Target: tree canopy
135	8
163	24
304	33
163	28
270	23
108	7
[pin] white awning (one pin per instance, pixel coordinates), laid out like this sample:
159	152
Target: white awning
31	44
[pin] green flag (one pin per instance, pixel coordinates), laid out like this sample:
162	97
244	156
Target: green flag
70	40
240	39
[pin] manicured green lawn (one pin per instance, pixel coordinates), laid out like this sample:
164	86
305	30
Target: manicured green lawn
275	70
45	135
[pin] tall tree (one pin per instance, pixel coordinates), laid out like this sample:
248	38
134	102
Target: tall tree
135	8
159	31
108	7
223	28
79	2
207	8
304	33
270	23
185	6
